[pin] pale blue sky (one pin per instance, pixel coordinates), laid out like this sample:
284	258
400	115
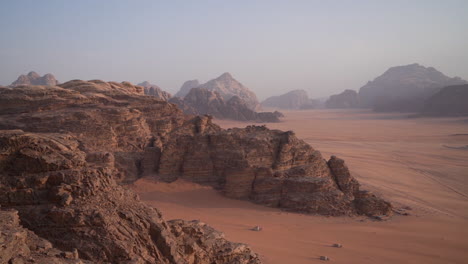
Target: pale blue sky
270	46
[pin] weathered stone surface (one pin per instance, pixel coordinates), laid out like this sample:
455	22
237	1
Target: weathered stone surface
156	91
33	78
346	99
200	101
69	198
20	245
269	167
226	86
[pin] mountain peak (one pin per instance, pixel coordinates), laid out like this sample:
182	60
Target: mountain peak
225	75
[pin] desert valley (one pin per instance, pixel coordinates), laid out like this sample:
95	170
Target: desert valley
207	133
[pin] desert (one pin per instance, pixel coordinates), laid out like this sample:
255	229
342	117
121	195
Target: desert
406	160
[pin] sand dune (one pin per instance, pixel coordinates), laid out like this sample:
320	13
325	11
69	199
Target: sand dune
403	159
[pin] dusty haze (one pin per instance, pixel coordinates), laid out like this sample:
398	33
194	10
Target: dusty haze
270	46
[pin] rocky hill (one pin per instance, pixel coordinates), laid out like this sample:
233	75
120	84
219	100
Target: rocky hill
291	100
65	151
449	101
404	88
35	79
156	91
186	87
346	99
200	101
227	87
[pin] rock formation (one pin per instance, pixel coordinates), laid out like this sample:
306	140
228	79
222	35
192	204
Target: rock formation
346	99
156	91
200	101
269	167
296	99
186	87
35	79
404	88
227	87
449	101
65	149
70	198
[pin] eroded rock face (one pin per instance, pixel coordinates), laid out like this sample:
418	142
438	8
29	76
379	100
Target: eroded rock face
269	167
156	91
123	135
346	99
291	100
20	245
200	101
78	206
33	78
226	86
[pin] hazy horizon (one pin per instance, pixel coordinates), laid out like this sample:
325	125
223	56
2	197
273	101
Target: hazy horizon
270	46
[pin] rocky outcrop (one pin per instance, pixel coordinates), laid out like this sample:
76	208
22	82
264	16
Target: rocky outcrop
186	87
346	99
156	91
404	88
296	99
75	203
33	78
200	101
269	167
227	87
20	245
449	101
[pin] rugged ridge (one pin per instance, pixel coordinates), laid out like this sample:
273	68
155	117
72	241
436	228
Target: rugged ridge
32	78
404	88
200	101
269	167
72	200
227	87
154	90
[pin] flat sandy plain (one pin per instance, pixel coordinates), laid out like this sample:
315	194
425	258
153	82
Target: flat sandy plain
421	163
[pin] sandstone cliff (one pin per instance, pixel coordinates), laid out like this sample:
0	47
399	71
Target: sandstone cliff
156	91
200	101
69	197
65	149
33	78
227	87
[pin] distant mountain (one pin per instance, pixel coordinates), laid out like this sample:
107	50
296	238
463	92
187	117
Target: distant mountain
227	87
449	101
346	99
404	88
201	101
186	87
156	91
35	79
295	99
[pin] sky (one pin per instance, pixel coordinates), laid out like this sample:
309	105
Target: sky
270	46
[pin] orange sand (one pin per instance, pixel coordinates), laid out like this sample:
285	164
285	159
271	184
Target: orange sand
403	159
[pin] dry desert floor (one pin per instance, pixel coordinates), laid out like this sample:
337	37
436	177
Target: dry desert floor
420	163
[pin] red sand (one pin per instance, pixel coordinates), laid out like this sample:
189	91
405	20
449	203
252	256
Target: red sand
404	160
